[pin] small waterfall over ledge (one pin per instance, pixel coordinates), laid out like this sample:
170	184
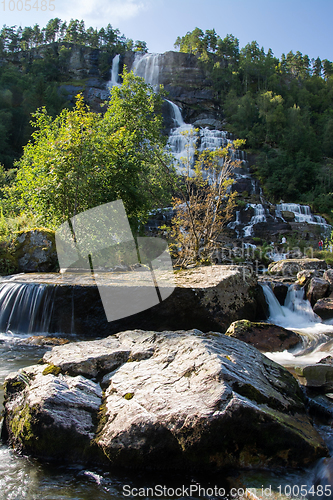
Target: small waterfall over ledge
296	314
25	308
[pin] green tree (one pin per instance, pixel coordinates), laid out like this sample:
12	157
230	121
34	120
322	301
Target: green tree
204	203
82	159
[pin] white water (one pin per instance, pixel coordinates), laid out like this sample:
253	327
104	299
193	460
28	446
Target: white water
25	308
148	67
297	315
259	216
114	72
177	115
302	213
184	139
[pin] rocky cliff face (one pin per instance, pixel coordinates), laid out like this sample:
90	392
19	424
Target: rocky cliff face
185	79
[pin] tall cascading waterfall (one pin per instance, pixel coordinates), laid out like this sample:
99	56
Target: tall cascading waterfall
182	141
184	138
147	66
114	72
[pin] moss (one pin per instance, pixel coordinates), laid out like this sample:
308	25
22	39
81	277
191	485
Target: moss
21	424
54	370
101	421
128	395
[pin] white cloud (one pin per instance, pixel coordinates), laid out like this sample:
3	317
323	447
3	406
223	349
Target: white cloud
101	12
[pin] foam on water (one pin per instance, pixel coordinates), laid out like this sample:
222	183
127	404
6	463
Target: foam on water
297	315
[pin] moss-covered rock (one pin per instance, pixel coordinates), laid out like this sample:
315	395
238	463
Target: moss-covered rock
264	336
35	250
291	267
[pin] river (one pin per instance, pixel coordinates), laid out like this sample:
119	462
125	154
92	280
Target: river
25	478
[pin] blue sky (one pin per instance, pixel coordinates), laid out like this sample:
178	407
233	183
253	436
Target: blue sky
304	25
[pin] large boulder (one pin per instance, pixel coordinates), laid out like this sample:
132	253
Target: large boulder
316	375
317	289
264	336
208	297
35	251
328	276
324	308
170	400
290	267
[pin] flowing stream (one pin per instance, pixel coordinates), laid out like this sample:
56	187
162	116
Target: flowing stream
296	314
25	478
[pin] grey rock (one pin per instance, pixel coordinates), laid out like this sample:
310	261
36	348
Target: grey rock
207	297
290	267
328	276
264	336
181	399
318	375
324	308
317	289
35	251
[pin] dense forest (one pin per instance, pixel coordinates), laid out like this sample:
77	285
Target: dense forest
282	107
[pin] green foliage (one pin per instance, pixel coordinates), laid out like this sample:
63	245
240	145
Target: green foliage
32	80
283	108
82	159
324	254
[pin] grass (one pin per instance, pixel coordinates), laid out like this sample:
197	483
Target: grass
326	255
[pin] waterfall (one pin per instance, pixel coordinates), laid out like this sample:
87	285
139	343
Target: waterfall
297	315
114	72
302	213
148	67
25	308
177	115
183	138
259	216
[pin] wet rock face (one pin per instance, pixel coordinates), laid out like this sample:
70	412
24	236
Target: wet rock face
280	291
189	86
179	399
317	289
328	276
264	336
